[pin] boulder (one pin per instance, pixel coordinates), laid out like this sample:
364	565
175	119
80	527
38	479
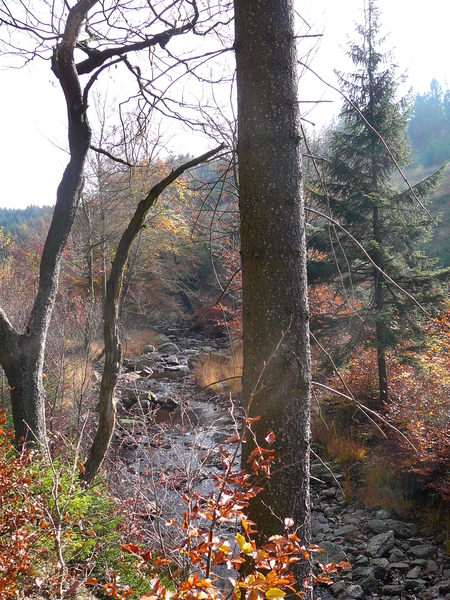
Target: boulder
332	553
380	544
381	567
168	348
401	529
353	591
393	589
377	525
423	551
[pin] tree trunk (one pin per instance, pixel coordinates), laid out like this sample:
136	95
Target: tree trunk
22	360
380	326
275	302
22	355
113	347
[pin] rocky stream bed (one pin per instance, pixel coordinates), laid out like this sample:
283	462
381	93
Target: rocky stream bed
392	555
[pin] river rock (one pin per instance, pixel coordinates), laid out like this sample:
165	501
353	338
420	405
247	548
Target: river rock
332	553
400	566
168	348
328	493
338	587
423	551
143	363
381	567
362	572
349	532
162	338
377	525
382	514
353	591
401	529
413	573
172	360
369	584
380	544
393	589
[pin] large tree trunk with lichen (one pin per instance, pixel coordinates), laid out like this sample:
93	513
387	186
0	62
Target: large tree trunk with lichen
275	301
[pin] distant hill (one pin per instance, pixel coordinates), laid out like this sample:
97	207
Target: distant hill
12	218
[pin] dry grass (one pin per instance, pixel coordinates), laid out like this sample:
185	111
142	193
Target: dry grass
136	339
215	371
380	490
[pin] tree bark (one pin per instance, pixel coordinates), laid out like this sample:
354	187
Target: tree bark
276	385
113	346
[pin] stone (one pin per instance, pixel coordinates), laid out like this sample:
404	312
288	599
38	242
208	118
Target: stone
377	525
352	592
168	348
317	527
148	348
413	584
382	514
432	567
400	566
380	544
413	573
381	567
329	493
441	538
396	553
143	363
332	553
330	511
393	589
423	551
360	572
416	541
361	561
163	338
401	529
369	584
338	587
348	532
172	360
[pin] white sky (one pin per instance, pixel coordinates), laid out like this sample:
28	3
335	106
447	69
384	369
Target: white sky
32	107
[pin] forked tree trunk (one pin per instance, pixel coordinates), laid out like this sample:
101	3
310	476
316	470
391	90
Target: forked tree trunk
275	302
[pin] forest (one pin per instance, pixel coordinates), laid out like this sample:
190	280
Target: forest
226	374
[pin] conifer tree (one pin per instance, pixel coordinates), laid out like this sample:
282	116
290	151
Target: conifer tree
390	224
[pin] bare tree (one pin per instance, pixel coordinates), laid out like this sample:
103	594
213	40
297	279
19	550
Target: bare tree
86	39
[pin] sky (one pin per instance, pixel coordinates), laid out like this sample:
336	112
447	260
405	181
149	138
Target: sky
33	120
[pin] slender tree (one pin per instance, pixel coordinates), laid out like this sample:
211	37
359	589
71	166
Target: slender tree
389	224
277	369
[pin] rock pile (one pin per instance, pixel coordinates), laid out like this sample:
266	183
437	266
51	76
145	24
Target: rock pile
391	556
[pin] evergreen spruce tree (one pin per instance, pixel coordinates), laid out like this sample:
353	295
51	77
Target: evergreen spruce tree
390	224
